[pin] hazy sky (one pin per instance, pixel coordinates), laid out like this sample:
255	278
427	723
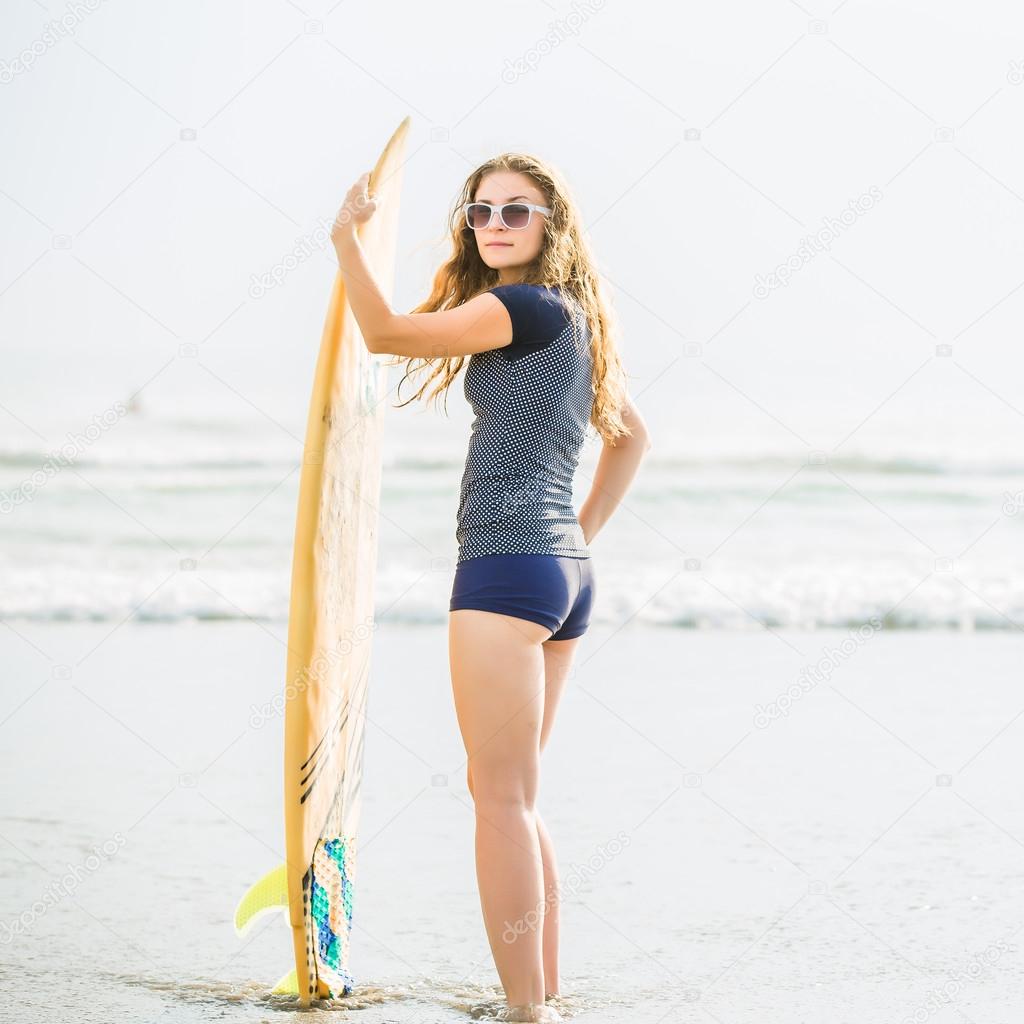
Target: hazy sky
157	156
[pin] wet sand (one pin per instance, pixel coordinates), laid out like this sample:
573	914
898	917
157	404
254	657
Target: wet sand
741	838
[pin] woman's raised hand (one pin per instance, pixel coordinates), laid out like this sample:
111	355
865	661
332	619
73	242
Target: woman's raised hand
359	206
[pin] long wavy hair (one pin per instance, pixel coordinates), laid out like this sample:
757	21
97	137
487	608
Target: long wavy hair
564	261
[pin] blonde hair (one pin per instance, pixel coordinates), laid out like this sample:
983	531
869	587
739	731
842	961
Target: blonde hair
564	261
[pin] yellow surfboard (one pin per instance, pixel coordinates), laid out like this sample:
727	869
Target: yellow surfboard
330	628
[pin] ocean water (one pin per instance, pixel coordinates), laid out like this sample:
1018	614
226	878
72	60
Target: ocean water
172	517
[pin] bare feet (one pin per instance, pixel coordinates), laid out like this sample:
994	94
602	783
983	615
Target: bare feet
536	1013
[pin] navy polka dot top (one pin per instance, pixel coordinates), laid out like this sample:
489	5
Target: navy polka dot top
532	399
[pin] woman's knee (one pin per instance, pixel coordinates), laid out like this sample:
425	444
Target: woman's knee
503	786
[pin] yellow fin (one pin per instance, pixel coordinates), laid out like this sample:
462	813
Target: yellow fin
287	986
266	896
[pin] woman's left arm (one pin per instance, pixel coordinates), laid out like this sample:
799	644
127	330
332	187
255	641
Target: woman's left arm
616	468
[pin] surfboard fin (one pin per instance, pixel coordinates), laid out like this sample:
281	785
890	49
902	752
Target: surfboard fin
288	985
267	896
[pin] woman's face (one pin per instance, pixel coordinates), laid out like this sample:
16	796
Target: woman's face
500	248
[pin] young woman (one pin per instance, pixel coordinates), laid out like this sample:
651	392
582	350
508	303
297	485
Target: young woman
519	296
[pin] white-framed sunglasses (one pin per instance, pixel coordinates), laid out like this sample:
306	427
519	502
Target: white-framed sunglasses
515	216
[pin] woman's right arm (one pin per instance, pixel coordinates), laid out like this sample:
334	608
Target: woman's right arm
479	325
616	469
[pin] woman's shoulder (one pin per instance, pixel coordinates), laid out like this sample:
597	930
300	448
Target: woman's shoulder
552	292
543	299
538	312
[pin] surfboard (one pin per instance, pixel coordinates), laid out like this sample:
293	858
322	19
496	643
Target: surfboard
330	628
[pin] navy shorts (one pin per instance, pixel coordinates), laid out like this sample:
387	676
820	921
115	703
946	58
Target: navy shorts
555	590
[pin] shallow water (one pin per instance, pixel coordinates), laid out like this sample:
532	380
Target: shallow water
203	1000
167	519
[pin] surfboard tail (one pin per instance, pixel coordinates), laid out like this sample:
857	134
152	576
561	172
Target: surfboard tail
329	922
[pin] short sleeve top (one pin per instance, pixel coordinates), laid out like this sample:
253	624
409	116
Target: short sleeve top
532	401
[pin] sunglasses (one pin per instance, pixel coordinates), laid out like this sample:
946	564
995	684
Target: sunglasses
514	216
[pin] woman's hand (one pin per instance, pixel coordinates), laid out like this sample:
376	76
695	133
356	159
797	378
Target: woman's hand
359	206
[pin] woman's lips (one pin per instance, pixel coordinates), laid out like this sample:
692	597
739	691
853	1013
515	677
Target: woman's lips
506	244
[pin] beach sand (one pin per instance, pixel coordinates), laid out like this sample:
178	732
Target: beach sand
858	857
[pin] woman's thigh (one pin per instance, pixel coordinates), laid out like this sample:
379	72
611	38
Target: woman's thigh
558	662
498	681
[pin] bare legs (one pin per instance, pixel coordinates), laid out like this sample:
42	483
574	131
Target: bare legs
551	908
558	657
507	682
